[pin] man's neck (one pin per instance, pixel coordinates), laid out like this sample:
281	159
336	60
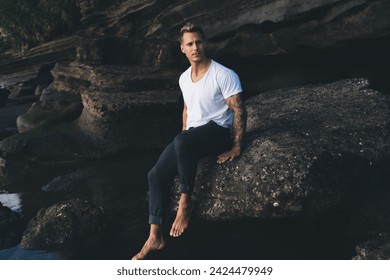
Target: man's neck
201	67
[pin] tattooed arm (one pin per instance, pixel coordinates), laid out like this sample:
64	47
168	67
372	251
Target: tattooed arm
239	127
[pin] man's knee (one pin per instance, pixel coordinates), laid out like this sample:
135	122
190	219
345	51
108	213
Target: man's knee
181	142
152	176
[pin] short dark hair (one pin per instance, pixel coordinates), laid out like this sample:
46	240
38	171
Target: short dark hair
190	27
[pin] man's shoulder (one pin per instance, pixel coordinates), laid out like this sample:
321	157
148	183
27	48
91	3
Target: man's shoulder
222	71
219	68
185	74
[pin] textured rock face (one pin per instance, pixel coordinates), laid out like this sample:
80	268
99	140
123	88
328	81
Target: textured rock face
375	249
308	150
113	108
62	225
145	32
274	27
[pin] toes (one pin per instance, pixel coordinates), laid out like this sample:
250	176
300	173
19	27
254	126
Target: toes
137	257
176	231
173	232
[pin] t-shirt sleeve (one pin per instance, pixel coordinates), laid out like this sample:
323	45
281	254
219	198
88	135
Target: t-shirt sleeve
229	83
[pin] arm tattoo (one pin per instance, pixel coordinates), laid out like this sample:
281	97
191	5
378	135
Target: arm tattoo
240	116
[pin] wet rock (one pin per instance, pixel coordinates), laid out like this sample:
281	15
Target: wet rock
308	150
375	249
11	227
64	225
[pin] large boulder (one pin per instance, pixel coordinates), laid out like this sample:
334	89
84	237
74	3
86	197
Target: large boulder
308	150
64	225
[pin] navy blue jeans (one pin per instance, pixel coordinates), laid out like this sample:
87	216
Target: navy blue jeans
181	158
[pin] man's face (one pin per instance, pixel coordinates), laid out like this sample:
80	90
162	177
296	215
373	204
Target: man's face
193	47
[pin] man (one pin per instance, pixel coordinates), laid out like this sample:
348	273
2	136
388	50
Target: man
212	108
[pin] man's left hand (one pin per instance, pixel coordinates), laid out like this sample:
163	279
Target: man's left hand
229	155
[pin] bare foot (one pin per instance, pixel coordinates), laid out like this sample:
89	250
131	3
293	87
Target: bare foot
155	242
182	217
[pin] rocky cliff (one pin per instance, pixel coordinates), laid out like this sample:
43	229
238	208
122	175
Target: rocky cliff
317	131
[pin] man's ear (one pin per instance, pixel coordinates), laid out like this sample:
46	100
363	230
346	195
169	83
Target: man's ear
182	48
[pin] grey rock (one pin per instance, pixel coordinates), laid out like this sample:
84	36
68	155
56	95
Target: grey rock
308	150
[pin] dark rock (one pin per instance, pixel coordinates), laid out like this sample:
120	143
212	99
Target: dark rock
69	181
114	121
11	227
116	114
273	27
145	32
41	144
64	225
308	150
371	216
374	249
17	68
8	117
58	107
21	89
29	25
4	92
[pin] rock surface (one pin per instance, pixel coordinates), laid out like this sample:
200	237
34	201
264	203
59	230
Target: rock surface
116	114
374	249
64	225
308	150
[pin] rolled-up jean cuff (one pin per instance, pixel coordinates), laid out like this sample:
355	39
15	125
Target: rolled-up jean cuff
155	220
185	188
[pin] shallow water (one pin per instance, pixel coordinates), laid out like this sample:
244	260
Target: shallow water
18	253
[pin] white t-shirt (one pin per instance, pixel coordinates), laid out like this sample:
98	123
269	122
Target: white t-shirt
205	99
